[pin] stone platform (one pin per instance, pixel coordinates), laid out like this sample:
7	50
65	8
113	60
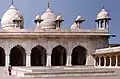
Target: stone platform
63	72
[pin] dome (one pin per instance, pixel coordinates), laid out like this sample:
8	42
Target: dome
9	16
38	17
103	15
80	18
59	17
74	26
48	18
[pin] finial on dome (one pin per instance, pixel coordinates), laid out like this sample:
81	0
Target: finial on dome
103	7
12	2
48	4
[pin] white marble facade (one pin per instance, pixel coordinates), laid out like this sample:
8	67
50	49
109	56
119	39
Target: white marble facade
48	44
90	43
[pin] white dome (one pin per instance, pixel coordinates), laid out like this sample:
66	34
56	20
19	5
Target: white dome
9	16
38	17
103	15
48	18
80	18
59	17
74	26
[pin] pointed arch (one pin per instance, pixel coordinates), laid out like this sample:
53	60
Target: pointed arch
17	56
38	56
2	57
118	60
79	55
97	61
107	61
58	56
102	61
113	60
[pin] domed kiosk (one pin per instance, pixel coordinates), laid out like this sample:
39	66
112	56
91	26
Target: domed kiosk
103	19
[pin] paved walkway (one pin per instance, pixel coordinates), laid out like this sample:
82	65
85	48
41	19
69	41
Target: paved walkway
4	74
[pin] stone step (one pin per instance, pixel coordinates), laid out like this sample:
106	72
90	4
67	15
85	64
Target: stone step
69	72
77	77
56	74
70	75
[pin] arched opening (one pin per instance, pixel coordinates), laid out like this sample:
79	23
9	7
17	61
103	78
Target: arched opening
58	56
38	56
2	57
97	61
107	61
113	60
102	61
119	60
79	56
17	56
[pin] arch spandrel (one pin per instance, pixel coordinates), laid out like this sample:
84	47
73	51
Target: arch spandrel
62	45
36	44
80	46
19	46
39	46
14	45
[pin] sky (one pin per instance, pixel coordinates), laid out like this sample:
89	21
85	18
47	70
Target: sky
69	9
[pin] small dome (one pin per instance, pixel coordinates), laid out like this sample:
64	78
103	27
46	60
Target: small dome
103	15
79	18
9	16
59	17
38	17
74	26
48	18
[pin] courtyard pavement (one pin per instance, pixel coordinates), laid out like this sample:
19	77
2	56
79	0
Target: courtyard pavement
4	74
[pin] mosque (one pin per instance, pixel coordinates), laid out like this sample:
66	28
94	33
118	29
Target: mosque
49	45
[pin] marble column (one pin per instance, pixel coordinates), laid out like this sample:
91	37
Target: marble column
104	61
99	61
110	61
7	60
7	57
104	23
69	59
116	61
95	62
48	63
28	60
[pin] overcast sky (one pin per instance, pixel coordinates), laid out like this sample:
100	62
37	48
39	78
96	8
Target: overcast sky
69	9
